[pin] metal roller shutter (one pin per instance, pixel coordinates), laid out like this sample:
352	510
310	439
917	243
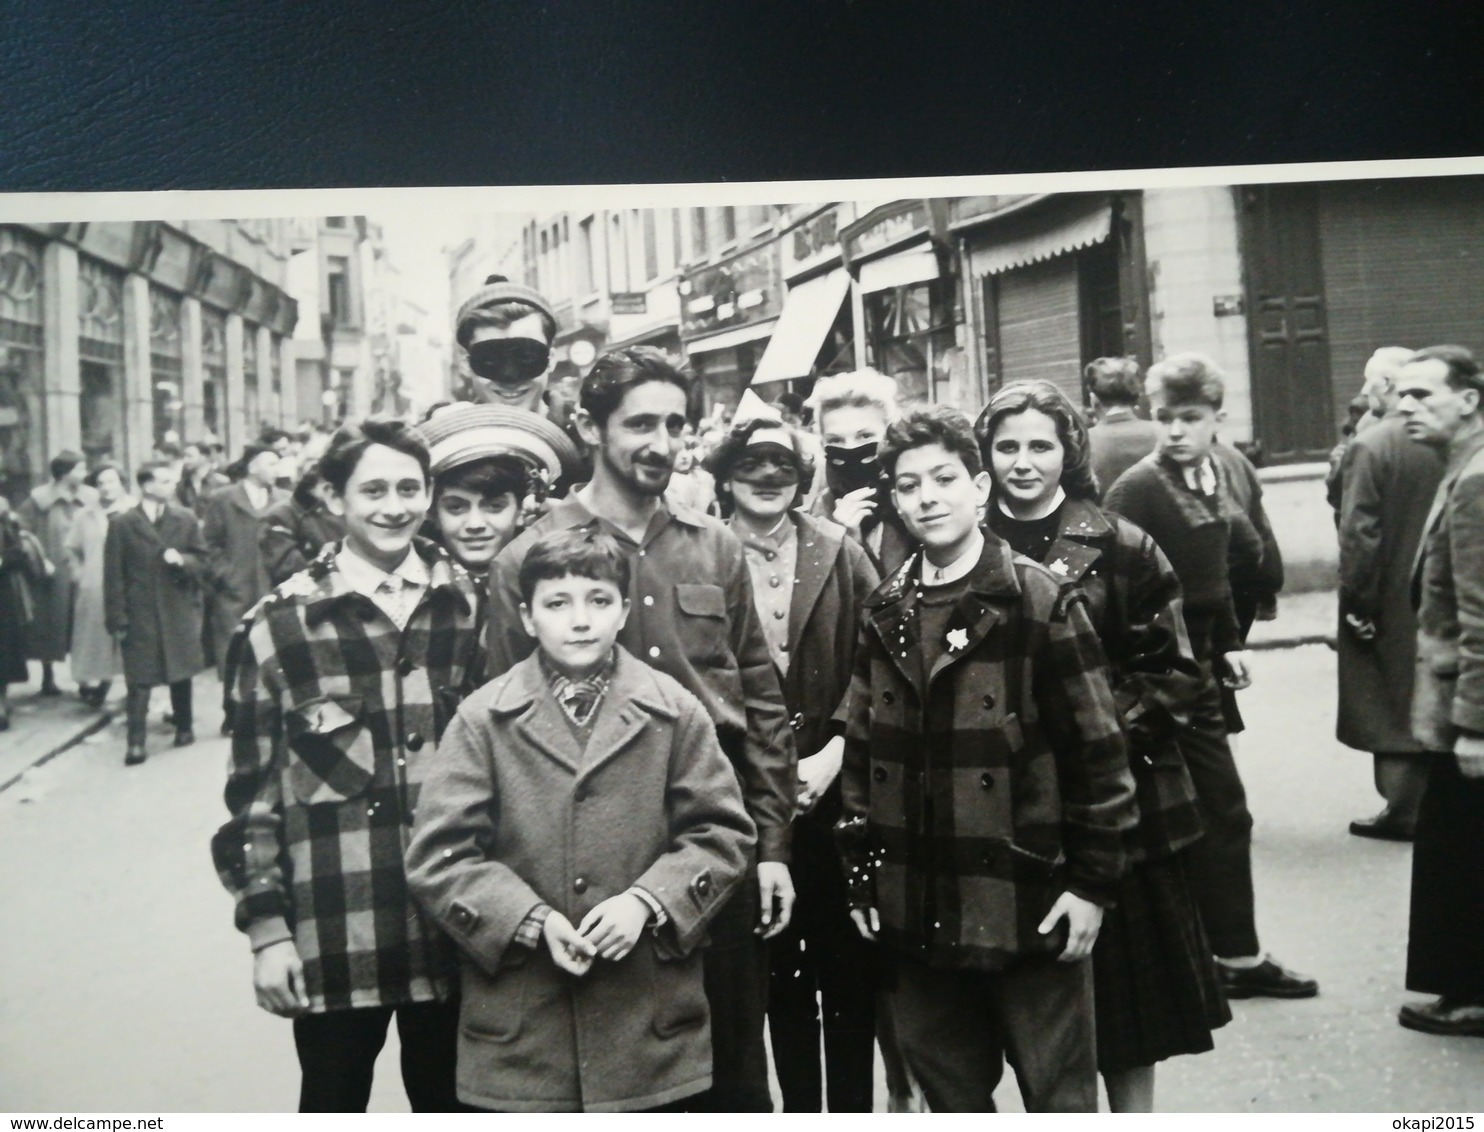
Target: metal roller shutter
1040	335
1403	266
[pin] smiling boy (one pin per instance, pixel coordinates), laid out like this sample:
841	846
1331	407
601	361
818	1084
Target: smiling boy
986	792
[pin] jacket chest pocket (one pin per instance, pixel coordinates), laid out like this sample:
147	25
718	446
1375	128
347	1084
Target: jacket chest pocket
702	623
332	754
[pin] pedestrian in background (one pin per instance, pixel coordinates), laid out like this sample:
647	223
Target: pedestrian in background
96	660
1441	401
296	529
1154	981
1120	438
809	579
1182	498
1387	486
19	566
154	574
344	682
694	619
580	829
48	513
232	523
199	479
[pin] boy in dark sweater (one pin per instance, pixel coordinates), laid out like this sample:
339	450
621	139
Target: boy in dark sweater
1182	497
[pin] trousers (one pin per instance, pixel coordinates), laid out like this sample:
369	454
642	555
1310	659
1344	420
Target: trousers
1445	931
736	975
1219	865
957	1028
338	1051
136	709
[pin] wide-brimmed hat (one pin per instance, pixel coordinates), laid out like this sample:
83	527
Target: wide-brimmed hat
463	432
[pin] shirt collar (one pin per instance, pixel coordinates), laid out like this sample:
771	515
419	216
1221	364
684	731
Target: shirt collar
960	567
364	577
1061	497
1201	478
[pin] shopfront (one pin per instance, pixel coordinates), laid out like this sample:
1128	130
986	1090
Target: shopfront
252	409
100	346
910	300
166	366
22	369
728	312
214	376
1055	280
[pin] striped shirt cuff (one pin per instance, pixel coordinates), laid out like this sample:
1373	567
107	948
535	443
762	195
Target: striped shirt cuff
529	932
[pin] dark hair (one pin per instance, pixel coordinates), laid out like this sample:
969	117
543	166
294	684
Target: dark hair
936	424
309	479
1186	379
791	403
147	471
1114	381
581	552
1463	369
91	479
724	458
500	315
63	462
349	444
1077	479
618	371
271	436
488	477
169	451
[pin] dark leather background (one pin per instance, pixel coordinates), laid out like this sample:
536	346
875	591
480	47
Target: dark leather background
135	95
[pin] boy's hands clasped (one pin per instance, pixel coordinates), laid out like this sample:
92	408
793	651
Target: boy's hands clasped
609	931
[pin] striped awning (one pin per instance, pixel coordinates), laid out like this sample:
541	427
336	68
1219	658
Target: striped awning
1031	239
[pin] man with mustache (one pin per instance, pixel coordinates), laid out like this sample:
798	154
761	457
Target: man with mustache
693	619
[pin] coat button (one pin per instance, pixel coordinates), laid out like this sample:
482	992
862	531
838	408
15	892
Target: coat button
989	701
703	884
888	698
580	794
414	741
879	774
986	780
579	885
405	667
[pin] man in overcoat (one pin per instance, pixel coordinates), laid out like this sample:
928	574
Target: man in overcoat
48	513
154	570
1387	484
232	523
1441	395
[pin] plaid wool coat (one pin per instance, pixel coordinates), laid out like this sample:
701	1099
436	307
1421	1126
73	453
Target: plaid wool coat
336	716
972	803
1134	603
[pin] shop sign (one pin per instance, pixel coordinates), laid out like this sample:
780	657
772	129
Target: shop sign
900	222
628	302
741	290
971	210
815	240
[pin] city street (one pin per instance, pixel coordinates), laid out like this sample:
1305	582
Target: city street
126	987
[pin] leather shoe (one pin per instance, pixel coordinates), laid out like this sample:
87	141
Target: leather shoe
1446	1016
135	755
1385	826
184	736
1267	980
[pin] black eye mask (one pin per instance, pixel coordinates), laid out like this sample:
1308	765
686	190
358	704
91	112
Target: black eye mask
849	469
509	361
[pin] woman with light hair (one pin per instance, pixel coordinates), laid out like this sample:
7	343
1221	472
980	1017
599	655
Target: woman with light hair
851	413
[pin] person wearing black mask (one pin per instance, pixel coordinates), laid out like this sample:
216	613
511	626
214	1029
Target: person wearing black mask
851	411
506	331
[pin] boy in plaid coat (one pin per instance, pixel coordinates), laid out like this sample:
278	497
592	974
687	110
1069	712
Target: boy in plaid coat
986	792
345	678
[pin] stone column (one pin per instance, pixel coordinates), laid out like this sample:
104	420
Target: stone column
268	403
288	376
138	382
62	386
236	415
192	376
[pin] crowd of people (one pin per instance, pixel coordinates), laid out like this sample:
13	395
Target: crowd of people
590	742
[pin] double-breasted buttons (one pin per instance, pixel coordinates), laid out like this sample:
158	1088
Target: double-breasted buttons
579	885
405	667
888	697
986	780
703	884
414	741
879	774
988	700
463	917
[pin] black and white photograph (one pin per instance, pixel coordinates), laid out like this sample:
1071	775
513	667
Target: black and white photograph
715	648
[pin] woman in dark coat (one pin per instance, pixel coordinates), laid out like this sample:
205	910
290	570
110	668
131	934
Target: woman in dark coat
15	608
154	568
1156	987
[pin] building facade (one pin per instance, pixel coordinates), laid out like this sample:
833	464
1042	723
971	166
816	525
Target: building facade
119	337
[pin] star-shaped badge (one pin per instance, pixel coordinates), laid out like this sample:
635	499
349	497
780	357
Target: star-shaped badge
1058	567
958	639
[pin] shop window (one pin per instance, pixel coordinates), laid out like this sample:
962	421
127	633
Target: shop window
911	333
618	255
165	366
22	458
700	243
728	225
1102	316
651	246
677	239
99	410
587	274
